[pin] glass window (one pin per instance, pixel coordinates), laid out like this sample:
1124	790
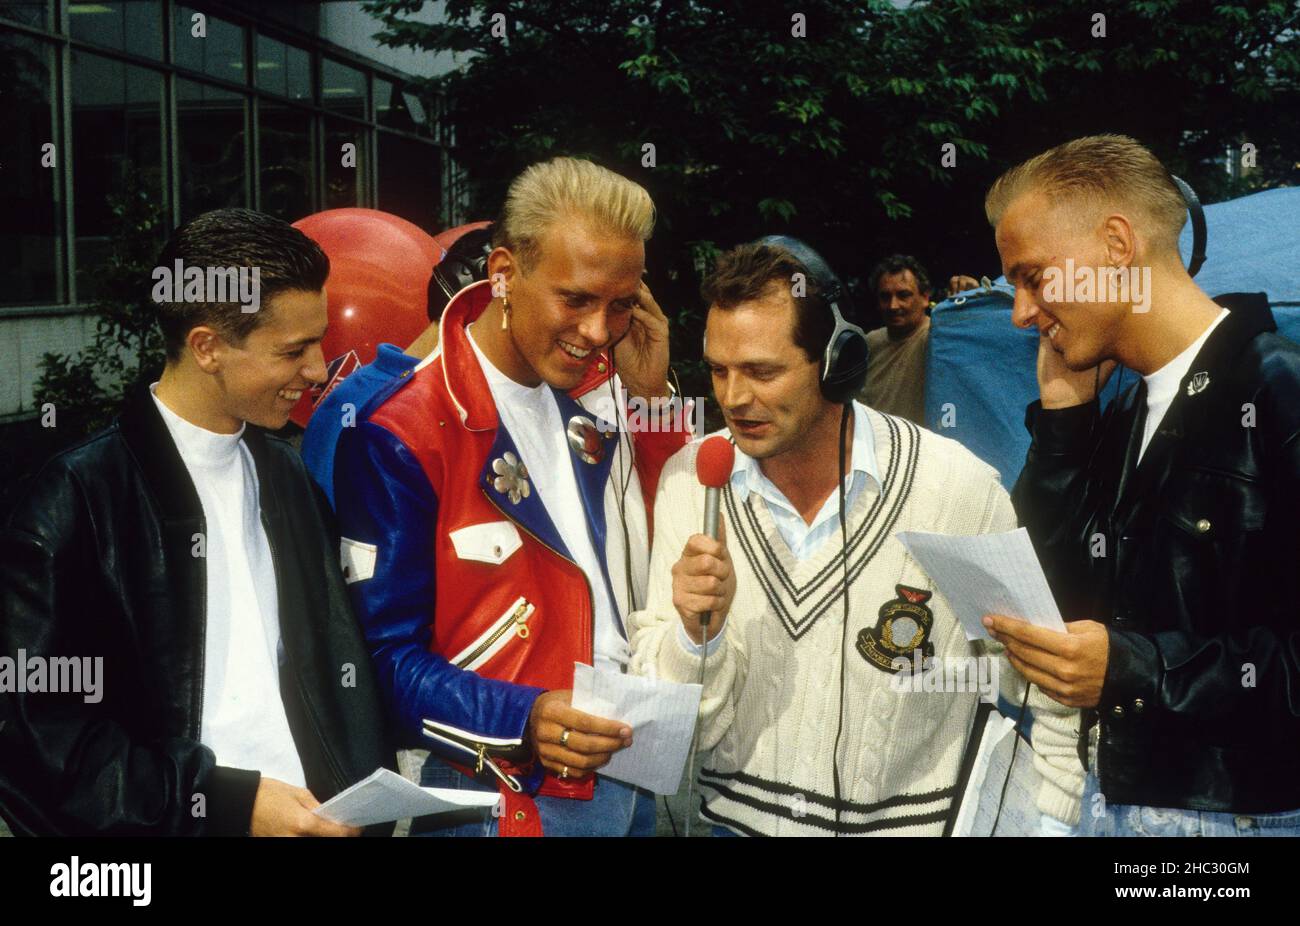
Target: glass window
342	89
283	69
116	145
131	25
286	175
31	233
210	142
344	167
218	52
391	106
410	184
28	12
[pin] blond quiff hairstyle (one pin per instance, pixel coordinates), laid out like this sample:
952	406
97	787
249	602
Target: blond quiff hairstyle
1102	172
563	188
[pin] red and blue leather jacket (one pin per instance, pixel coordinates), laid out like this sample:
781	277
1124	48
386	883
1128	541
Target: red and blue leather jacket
469	601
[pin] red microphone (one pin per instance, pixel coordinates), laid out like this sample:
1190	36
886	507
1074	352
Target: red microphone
713	468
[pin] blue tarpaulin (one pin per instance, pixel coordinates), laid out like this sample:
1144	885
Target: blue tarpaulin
980	370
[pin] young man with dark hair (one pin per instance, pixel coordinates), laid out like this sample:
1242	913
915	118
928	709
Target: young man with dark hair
192	557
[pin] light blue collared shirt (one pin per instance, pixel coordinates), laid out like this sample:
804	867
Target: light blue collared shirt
802	538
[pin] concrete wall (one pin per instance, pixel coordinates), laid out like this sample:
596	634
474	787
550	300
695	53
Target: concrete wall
23	341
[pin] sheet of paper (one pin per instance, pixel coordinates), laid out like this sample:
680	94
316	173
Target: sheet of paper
986	574
979	807
386	795
661	715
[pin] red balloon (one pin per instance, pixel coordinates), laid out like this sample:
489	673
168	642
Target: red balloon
445	239
378	288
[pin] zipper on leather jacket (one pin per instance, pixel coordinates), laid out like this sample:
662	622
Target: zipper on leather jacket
495	639
591	598
481	749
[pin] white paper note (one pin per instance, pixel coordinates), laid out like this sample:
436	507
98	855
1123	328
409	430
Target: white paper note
386	796
983	804
662	717
987	574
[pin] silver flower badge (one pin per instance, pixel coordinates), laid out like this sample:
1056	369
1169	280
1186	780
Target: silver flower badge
511	478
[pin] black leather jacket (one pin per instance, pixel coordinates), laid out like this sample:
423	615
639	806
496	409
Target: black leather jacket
1193	562
97	560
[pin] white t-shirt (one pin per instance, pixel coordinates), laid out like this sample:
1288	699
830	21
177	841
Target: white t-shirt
244	721
532	416
1162	385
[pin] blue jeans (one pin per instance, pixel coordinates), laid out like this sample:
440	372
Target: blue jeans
615	809
1099	818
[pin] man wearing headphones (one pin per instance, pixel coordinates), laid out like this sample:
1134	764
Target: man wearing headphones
495	529
810	708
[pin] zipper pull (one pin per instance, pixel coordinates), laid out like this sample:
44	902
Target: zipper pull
510	781
521	614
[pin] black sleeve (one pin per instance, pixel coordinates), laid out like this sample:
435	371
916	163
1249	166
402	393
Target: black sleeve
1053	498
69	766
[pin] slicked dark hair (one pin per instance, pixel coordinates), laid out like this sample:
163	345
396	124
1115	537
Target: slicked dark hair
286	260
748	271
897	264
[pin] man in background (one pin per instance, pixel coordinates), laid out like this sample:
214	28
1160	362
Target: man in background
896	373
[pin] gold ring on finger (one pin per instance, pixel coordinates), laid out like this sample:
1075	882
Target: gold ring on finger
564	737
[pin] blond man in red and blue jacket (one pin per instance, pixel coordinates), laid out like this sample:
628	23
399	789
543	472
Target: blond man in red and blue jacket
496	529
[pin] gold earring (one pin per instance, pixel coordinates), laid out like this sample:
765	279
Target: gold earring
505	313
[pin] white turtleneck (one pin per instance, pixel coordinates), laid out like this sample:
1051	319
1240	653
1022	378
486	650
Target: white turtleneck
244	721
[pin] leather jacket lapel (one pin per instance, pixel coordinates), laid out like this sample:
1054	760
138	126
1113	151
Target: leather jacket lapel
155	452
182	528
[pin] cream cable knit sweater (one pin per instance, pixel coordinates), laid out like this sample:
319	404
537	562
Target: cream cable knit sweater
772	687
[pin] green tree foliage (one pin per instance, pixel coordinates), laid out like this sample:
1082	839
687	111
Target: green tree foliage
87	387
838	134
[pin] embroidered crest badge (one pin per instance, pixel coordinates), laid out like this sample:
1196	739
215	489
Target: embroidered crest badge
903	629
1197	383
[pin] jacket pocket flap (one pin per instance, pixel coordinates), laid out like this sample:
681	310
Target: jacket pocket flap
491	542
357	560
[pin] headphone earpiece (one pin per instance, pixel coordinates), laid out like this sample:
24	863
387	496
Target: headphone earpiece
844	361
464	263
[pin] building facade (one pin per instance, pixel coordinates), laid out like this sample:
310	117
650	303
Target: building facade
289	108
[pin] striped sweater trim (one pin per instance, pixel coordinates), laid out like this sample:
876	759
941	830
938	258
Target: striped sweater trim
876	527
765	797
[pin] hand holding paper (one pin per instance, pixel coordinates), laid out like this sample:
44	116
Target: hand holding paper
662	714
386	796
1069	667
987	574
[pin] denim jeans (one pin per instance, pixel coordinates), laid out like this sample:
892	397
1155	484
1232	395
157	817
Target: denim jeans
615	809
1099	818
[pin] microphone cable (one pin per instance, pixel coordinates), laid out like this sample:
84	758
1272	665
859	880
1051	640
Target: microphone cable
844	630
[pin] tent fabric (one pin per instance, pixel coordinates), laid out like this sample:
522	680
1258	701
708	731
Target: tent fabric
980	370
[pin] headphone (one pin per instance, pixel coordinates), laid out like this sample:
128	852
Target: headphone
844	361
464	263
1198	223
